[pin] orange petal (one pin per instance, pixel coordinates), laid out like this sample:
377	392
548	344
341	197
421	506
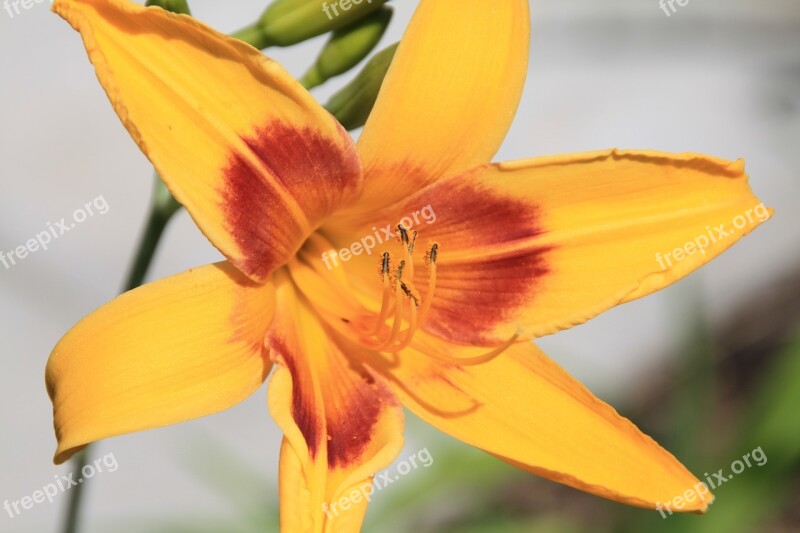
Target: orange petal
525	409
536	246
255	160
448	98
341	422
180	348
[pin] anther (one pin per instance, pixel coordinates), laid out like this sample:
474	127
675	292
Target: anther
386	264
430	257
410	293
401	295
403	234
413	242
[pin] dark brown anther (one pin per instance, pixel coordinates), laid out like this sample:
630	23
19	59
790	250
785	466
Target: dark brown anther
431	255
403	234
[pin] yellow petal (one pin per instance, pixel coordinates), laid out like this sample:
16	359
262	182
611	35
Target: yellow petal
525	409
341	422
255	160
541	245
180	348
449	96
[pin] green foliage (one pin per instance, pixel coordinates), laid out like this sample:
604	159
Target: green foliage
347	47
288	22
352	104
176	6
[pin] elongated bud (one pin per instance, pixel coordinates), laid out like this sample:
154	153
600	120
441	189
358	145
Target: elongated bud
352	105
288	22
176	6
347	47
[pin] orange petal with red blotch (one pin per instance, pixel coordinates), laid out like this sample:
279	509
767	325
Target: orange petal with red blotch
536	246
341	422
257	162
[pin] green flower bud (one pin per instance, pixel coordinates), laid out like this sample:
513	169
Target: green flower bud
352	105
347	47
288	22
176	6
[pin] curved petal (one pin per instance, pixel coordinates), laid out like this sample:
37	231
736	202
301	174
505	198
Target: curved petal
341	422
536	246
255	160
449	96
525	409
177	349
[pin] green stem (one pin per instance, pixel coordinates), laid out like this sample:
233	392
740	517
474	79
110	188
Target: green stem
75	494
156	225
162	208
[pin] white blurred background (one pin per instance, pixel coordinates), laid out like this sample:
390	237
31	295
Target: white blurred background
719	76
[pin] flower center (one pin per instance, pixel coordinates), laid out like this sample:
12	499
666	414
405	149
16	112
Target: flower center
401	302
403	309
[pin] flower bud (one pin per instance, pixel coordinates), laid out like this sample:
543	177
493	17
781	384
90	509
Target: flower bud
176	6
288	22
352	105
347	47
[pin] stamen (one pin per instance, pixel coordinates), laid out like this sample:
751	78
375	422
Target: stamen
386	265
409	333
475	360
430	257
414	318
403	231
408	306
408	248
410	292
400	269
398	309
430	260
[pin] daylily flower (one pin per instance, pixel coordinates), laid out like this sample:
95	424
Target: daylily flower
435	320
